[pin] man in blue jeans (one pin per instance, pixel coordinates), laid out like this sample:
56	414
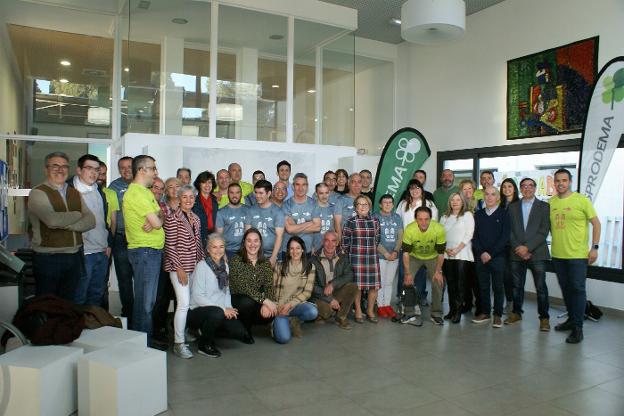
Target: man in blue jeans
489	242
570	213
530	225
123	269
146	239
97	241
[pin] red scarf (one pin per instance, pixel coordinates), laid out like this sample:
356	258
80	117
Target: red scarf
207	204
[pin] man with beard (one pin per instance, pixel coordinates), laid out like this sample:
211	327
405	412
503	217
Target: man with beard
231	220
441	195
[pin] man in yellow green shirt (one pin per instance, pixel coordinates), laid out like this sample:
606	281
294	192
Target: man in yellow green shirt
424	242
485	179
146	239
570	215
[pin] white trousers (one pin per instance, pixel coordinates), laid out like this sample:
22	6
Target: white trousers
183	297
388	270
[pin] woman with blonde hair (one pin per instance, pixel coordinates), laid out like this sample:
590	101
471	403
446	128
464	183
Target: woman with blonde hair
459	227
467	189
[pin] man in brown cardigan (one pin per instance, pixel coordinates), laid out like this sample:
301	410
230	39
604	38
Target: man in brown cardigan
58	217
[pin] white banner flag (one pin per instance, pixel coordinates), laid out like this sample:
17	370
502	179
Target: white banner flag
604	126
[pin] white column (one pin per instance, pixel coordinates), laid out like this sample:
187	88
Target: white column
116	89
214	45
247	96
171	61
290	77
318	96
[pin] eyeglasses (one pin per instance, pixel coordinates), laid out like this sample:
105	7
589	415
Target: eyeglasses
58	167
91	169
527	185
361	204
152	168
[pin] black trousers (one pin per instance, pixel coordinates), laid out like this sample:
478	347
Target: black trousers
249	311
211	320
164	295
455	272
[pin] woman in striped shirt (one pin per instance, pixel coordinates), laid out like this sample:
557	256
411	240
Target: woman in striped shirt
183	250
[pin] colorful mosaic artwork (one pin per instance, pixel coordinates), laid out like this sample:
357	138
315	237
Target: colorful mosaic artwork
548	92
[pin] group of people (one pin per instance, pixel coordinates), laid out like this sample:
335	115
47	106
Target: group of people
233	254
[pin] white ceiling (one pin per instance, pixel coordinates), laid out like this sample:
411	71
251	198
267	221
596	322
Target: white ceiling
374	16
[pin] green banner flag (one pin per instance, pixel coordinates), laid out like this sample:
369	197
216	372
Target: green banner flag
404	154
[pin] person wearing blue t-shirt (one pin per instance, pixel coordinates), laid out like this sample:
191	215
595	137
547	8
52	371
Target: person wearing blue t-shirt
389	250
327	211
268	219
300	212
231	220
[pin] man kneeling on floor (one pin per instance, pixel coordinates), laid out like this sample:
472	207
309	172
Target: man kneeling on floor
334	289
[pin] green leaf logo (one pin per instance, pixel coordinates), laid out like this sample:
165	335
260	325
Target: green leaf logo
614	88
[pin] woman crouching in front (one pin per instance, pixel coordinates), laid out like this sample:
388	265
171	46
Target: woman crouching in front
294	280
211	306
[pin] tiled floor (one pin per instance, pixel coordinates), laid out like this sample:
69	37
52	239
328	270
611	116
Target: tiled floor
392	369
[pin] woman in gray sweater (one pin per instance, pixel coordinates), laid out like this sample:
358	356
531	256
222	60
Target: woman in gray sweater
211	305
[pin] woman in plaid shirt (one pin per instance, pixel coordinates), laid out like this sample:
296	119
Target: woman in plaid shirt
360	237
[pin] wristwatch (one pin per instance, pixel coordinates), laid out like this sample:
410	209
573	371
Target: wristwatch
595	246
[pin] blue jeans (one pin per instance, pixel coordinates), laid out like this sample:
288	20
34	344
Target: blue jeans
518	272
571	274
92	284
58	274
305	311
146	265
491	274
123	270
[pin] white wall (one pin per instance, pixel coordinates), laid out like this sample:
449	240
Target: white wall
456	94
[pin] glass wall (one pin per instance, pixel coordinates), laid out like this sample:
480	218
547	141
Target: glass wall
251	84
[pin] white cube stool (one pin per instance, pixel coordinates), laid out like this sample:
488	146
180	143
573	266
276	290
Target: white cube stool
124	379
108	336
39	381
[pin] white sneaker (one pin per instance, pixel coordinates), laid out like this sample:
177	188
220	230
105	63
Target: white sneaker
182	351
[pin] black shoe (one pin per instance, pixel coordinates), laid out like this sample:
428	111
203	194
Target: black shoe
565	326
248	339
456	318
209	351
576	336
158	346
448	316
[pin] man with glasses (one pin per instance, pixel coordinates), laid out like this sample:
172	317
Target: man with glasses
98	240
58	217
146	239
530	225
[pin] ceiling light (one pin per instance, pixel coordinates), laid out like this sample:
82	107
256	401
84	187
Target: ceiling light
63	80
65	62
311	91
430	22
150	102
395	21
126	69
276	37
179	20
275	86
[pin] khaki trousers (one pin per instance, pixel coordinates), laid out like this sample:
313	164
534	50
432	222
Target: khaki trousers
345	295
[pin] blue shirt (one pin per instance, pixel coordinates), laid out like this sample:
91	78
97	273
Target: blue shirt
301	213
526	210
390	226
345	207
120	187
232	220
326	214
266	220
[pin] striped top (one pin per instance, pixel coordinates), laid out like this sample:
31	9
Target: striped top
183	247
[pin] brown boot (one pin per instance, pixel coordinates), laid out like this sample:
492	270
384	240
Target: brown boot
343	323
295	327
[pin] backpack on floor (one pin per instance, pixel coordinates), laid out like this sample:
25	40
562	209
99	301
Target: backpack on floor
592	312
409	298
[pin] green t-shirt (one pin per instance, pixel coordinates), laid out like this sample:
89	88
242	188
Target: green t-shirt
478	195
441	196
139	201
424	242
111	202
569	226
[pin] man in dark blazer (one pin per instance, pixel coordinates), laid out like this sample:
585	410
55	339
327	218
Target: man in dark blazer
530	225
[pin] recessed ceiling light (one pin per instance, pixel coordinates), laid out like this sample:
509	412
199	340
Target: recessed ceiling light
275	86
179	20
63	80
395	21
150	102
311	91
65	62
126	69
276	37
